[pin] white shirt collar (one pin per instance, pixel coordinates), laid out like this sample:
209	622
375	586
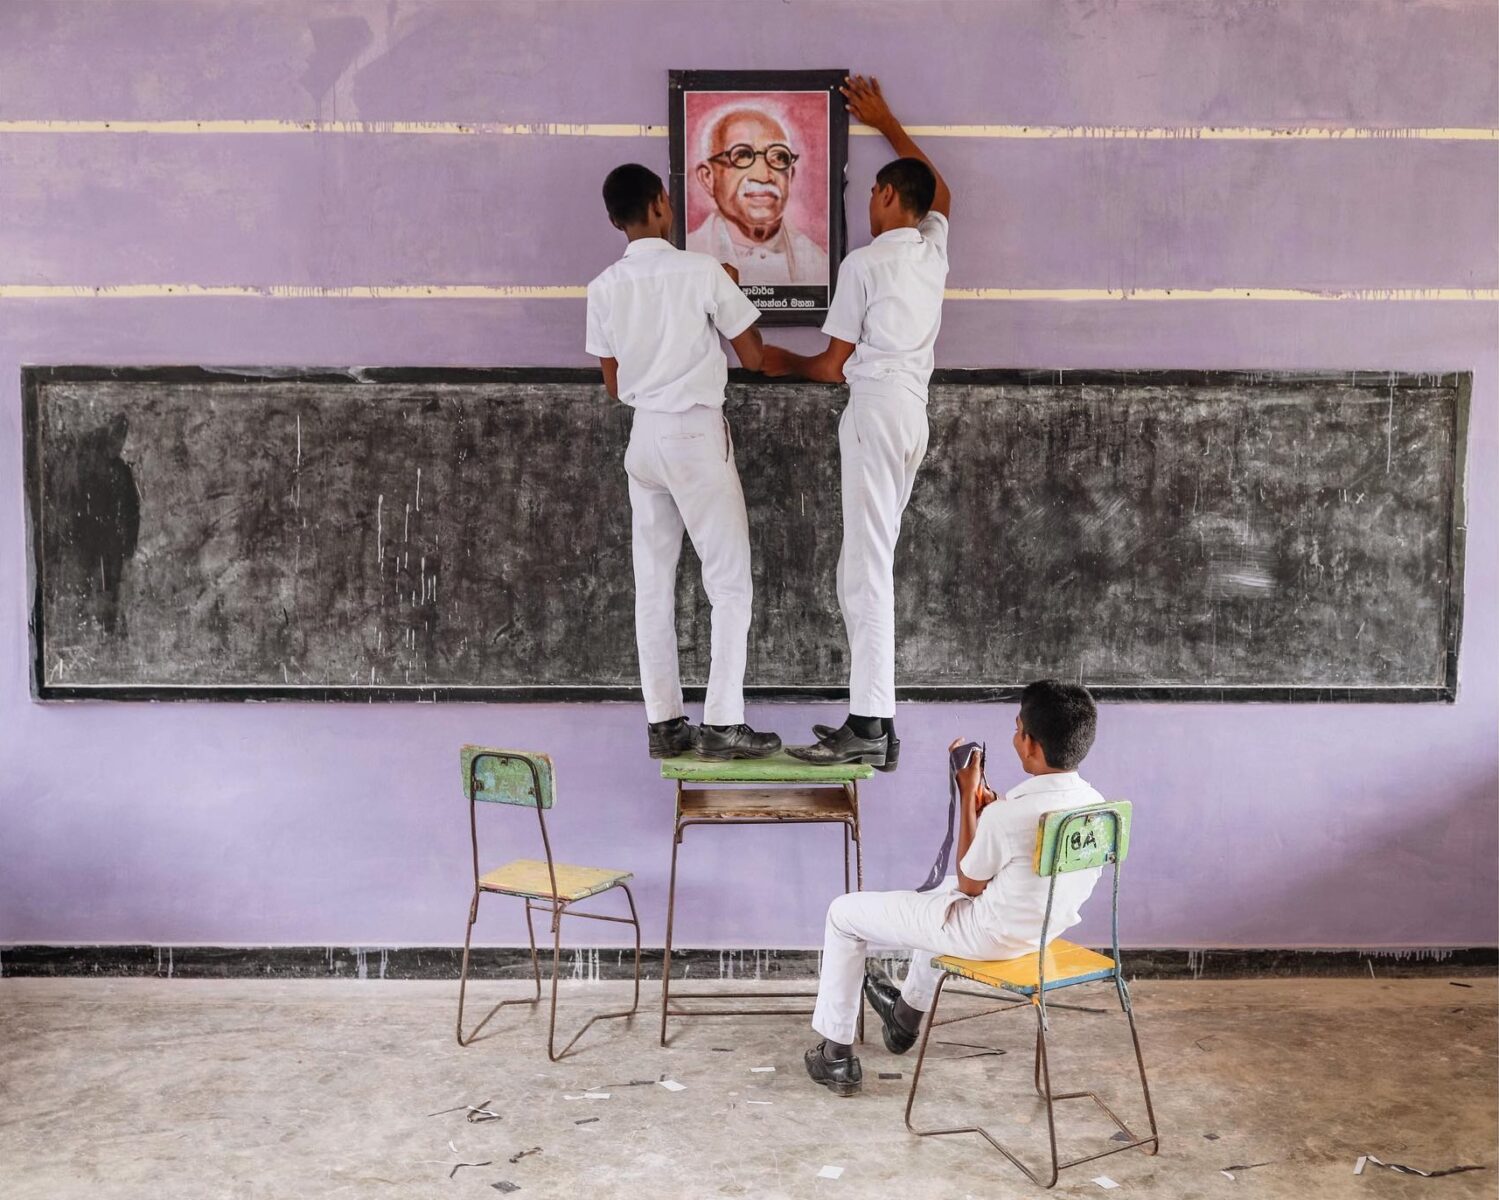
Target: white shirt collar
903	233
647	245
1060	781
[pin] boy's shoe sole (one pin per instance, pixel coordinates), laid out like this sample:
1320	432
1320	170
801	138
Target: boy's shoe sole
728	755
877	761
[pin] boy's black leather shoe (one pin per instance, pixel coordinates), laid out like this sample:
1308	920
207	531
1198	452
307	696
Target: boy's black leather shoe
737	741
844	746
669	738
841	1076
882	995
892	745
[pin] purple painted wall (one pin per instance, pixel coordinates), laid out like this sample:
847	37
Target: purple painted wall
238	824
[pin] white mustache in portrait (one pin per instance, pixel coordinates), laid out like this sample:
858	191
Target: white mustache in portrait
752	187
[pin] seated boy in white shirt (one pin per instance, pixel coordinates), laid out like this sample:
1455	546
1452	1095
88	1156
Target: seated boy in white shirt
992	909
654	319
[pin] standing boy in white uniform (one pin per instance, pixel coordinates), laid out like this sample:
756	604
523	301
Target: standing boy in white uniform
992	909
881	326
653	321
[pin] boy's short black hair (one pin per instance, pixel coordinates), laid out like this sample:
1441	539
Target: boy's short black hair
1062	717
629	191
914	182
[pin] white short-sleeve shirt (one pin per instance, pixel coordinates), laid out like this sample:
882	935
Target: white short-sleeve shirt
658	311
889	304
1003	852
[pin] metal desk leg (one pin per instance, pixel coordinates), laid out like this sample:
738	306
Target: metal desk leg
671	909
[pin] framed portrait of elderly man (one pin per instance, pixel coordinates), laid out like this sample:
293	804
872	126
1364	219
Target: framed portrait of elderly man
757	167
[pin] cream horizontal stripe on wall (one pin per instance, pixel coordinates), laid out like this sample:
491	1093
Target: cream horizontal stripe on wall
464	291
543	129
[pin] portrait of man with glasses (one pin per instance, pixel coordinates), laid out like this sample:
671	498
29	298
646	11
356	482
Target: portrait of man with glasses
746	164
757	161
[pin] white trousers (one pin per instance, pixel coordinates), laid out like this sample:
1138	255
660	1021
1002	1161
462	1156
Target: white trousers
882	438
928	923
683	477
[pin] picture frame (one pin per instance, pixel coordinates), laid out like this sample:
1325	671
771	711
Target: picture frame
758	165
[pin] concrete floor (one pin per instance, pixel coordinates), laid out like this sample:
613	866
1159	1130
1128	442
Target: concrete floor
173	1088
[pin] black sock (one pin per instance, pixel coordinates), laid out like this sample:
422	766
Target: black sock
906	1017
833	1051
889	726
719	728
866	727
670	723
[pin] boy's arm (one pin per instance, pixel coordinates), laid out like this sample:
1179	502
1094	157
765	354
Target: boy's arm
867	104
611	376
967	828
976	797
730	309
750	349
826	367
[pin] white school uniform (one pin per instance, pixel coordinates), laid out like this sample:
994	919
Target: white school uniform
889	304
1002	922
658	311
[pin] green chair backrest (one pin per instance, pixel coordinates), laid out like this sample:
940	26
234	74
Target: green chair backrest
1077	839
521	777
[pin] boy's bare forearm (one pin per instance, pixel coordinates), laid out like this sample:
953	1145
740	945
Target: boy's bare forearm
814	367
749	348
967	827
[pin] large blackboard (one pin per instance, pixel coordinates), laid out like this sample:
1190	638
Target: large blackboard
443	534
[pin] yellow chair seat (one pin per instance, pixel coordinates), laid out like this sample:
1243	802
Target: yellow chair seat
528	877
1066	964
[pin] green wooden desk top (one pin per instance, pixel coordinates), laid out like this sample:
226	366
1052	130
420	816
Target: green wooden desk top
778	768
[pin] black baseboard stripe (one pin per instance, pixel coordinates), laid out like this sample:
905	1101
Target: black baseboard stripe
443	962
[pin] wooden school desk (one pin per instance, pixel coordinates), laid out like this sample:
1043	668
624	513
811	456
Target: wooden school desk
779	790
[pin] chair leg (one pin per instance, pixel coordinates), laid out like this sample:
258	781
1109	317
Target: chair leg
926	1033
1041	1078
556	966
1155	1137
473	916
1051	1110
468	934
1036	1074
535	961
635	921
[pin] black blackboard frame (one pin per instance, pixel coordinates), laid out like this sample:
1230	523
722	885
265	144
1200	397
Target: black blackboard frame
35	377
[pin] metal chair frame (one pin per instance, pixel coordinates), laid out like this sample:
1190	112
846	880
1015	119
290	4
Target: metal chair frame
1041	1075
558	909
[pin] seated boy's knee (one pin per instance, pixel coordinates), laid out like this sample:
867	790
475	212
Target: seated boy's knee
842	908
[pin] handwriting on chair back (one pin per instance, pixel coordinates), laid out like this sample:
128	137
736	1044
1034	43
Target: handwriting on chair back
1080	839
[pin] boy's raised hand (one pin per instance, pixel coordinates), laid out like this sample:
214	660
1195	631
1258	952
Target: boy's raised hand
866	102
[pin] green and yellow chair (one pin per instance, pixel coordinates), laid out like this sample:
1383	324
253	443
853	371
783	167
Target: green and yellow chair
528	780
1074	840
